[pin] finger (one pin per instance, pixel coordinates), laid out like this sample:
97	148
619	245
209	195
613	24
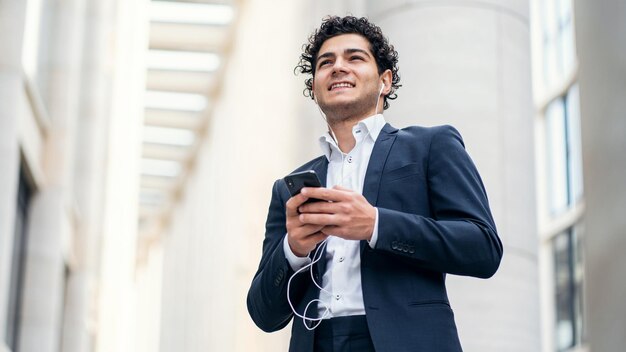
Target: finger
328	194
333	230
319	219
320	207
305	231
316	238
294	202
342	188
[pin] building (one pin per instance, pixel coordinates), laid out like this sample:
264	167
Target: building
139	142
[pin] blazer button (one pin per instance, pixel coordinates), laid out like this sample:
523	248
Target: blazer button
411	249
394	245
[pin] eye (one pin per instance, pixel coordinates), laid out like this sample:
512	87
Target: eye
356	57
324	63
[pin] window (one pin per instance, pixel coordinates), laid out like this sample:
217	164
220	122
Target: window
17	263
568	274
564	156
559	52
557	98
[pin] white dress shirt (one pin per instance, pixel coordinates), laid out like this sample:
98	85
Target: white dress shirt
342	278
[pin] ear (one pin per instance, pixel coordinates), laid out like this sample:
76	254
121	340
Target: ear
386	78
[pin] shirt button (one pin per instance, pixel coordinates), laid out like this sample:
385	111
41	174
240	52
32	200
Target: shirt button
341	259
350	158
337	297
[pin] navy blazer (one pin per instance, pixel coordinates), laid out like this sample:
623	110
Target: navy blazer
434	219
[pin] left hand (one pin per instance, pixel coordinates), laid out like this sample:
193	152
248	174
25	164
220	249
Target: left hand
344	213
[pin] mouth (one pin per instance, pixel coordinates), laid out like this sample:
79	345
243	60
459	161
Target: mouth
340	85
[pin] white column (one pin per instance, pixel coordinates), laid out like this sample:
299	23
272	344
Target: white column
601	44
90	154
116	326
467	63
52	219
12	18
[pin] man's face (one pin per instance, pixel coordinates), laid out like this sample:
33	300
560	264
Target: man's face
346	83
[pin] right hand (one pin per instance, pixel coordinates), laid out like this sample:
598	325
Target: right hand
302	238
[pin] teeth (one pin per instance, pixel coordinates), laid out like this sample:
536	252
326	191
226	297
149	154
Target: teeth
341	85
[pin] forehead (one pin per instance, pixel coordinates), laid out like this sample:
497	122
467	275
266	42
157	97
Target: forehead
340	43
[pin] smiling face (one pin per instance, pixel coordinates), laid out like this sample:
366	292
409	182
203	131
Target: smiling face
346	83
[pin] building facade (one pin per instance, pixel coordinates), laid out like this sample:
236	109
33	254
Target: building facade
70	121
139	142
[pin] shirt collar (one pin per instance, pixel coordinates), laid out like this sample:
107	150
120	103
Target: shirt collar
371	126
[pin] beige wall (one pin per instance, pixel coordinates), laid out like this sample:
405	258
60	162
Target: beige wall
213	247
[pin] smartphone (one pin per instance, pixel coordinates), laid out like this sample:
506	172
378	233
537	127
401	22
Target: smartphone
296	181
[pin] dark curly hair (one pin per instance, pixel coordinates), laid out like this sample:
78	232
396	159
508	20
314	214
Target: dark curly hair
385	54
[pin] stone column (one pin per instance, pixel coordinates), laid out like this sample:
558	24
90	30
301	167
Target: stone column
117	312
467	63
12	18
90	155
601	44
53	217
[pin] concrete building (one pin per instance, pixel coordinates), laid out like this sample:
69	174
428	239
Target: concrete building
70	121
139	141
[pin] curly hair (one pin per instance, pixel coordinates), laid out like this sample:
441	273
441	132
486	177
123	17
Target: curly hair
384	53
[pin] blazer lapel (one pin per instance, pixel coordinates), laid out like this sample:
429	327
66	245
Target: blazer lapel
375	167
321	168
377	162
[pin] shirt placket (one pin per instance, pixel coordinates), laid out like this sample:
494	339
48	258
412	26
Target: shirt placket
339	277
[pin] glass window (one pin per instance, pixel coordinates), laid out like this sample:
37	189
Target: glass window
559	52
568	274
557	156
564	152
566	35
574	167
550	69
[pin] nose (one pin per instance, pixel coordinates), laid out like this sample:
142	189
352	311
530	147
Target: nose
339	65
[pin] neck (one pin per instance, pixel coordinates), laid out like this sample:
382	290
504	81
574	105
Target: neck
342	131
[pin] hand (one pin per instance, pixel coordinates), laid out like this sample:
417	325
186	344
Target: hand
345	213
302	237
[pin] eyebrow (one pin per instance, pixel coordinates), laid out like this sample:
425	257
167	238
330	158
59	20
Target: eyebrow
347	51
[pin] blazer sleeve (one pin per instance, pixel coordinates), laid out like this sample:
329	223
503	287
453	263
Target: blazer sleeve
460	236
267	296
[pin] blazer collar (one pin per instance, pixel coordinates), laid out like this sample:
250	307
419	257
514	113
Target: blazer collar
375	167
321	168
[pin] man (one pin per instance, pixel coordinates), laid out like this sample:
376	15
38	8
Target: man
401	209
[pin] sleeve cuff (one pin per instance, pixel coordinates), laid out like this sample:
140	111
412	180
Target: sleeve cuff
294	261
374	239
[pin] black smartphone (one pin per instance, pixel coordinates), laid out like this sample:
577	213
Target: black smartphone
296	181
